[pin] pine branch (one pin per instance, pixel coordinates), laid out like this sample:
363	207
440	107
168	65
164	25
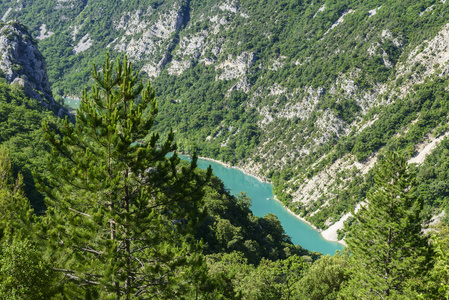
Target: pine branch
99	253
70	274
81	213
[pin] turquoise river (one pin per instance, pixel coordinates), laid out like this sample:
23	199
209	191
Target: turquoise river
263	203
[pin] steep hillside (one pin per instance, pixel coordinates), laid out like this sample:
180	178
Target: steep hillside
22	63
305	93
25	101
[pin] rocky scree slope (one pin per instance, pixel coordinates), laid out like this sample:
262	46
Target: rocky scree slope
306	94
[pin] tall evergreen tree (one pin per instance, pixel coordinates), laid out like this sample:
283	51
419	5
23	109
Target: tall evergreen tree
387	245
120	213
16	215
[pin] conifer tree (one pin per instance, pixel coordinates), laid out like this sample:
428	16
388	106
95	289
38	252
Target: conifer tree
16	215
387	245
24	273
120	213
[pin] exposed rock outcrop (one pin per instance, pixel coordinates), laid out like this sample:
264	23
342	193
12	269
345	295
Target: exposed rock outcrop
22	63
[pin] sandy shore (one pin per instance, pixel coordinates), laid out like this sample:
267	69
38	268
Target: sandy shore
329	234
234	167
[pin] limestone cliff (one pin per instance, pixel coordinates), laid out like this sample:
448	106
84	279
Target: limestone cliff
22	63
306	94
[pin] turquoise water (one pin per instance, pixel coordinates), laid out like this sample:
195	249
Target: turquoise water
72	103
263	203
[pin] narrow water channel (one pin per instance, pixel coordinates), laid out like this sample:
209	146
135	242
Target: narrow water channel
263	203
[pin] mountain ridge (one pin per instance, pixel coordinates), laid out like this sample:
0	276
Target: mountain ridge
302	93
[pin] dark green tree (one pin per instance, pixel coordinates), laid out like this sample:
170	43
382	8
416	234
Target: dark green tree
387	245
24	273
121	213
16	214
324	278
280	277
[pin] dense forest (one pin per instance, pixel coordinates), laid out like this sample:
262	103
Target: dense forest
285	89
342	105
123	220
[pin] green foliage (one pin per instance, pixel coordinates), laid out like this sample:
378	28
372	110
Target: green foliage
324	278
230	270
433	177
438	278
278	280
220	119
269	280
387	245
121	214
24	273
16	216
231	226
21	133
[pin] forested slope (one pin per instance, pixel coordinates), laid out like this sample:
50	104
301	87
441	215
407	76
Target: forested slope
304	93
124	220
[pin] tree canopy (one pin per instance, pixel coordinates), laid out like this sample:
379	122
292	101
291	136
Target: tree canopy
120	213
387	243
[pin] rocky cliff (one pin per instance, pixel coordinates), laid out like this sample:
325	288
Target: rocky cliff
307	94
22	63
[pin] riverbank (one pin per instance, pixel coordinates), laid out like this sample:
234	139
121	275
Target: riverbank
329	234
246	172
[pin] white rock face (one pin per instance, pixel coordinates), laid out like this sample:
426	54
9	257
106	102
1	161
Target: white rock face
241	85
151	70
83	44
177	67
234	68
75	32
430	8
374	11
192	46
276	64
387	35
298	109
5	16
154	34
134	22
218	23
65	4
339	21
426	148
331	234
229	6
432	59
321	9
207	61
43	33
23	64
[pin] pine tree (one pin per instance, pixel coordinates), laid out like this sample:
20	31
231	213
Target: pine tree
24	273
120	213
16	215
387	245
